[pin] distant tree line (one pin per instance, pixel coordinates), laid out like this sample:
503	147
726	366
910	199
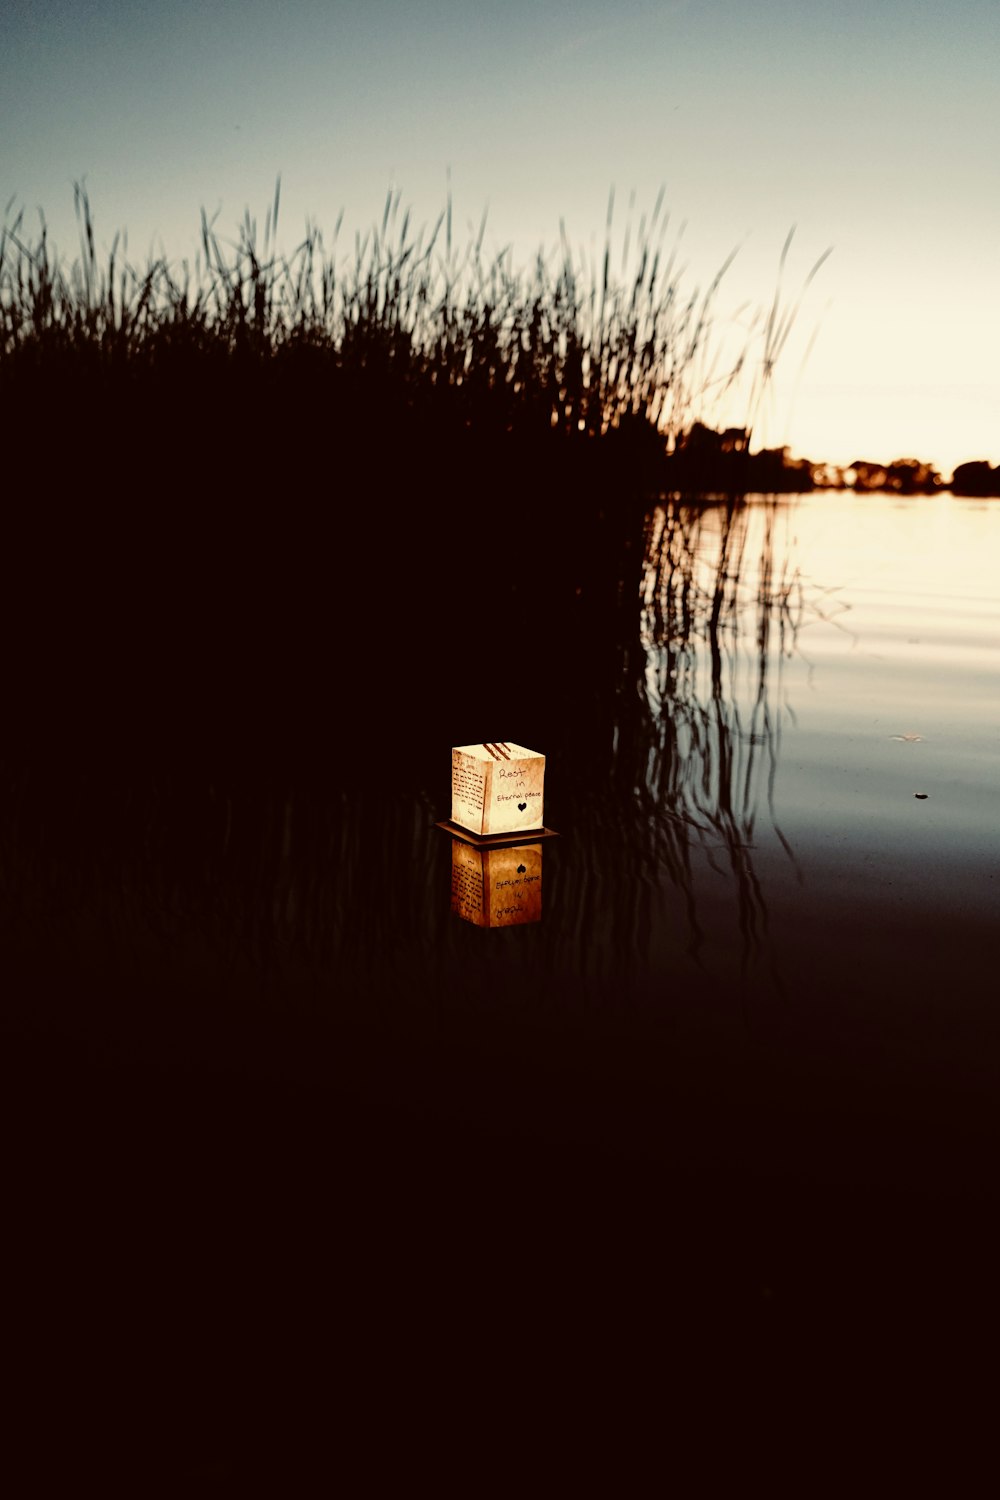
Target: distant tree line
705	460
976	478
910	476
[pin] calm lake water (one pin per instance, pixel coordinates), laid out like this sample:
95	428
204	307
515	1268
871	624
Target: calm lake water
748	1026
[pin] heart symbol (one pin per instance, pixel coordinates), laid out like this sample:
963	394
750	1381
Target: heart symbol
521	806
520	869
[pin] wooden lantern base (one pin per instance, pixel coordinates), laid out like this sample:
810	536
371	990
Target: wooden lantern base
496	840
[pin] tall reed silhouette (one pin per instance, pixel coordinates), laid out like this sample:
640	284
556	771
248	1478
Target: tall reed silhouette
313	516
263	457
405	323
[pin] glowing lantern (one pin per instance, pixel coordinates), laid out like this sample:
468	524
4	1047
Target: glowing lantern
497	789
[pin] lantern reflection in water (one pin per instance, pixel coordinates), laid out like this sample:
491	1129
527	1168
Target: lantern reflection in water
496	887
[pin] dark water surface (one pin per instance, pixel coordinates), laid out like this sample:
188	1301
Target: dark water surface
288	1134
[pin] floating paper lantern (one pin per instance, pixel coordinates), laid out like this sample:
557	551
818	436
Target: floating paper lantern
497	789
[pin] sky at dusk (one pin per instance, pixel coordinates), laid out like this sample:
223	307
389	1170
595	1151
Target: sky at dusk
873	128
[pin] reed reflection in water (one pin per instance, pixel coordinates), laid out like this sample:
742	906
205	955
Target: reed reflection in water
232	884
717	623
663	875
